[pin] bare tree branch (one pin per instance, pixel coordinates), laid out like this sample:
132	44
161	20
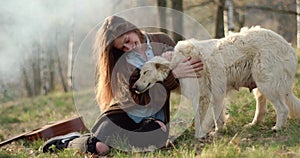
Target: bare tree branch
265	8
199	5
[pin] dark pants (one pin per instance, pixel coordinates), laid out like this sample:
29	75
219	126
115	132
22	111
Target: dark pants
120	127
120	131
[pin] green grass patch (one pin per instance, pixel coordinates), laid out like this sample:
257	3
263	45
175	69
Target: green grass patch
233	141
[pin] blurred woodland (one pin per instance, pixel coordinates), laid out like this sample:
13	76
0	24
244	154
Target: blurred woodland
39	39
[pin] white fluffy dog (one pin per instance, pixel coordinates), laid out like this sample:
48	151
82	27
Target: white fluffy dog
253	58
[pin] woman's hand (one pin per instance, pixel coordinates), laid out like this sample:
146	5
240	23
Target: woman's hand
188	67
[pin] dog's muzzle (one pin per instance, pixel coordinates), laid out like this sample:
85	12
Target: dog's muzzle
138	90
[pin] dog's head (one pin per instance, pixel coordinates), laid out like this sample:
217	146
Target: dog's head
155	70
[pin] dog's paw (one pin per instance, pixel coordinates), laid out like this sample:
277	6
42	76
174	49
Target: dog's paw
204	139
276	128
213	134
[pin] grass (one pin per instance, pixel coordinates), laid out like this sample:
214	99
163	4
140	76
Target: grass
232	141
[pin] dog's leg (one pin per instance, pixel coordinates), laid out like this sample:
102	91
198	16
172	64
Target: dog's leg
198	130
222	118
281	108
282	112
219	116
213	114
199	133
261	107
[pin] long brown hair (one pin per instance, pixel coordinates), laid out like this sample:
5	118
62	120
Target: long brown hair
112	28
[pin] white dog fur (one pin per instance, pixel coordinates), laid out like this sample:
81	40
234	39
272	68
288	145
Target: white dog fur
254	58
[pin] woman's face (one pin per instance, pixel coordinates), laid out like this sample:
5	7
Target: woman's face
127	41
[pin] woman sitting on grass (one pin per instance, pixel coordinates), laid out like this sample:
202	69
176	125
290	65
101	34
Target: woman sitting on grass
139	119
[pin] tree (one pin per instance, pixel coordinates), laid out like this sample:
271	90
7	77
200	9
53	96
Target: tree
162	14
25	77
240	17
51	68
278	15
298	22
71	51
219	25
35	64
177	20
60	70
70	60
228	16
45	85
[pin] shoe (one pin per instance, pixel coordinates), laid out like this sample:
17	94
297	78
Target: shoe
59	142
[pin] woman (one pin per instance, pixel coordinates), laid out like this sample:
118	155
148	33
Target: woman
123	49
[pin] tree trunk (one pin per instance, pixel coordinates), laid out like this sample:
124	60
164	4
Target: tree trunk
36	69
51	69
60	71
71	51
178	20
228	17
70	62
28	88
44	73
240	17
298	23
162	15
220	21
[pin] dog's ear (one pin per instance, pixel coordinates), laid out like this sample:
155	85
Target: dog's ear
184	47
162	67
189	46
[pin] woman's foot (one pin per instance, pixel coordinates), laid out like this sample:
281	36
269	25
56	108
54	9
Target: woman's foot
59	142
101	148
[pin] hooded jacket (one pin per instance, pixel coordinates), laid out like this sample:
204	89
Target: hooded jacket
125	75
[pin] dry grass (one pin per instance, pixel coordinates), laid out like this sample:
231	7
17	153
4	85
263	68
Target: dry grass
233	141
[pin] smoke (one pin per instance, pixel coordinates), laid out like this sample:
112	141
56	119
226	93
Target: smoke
23	22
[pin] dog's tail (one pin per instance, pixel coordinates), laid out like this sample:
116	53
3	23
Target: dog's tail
294	105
